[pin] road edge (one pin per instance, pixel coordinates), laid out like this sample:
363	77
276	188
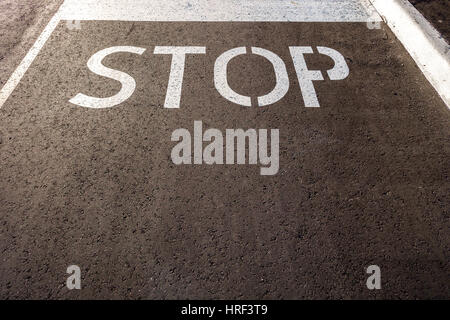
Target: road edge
423	42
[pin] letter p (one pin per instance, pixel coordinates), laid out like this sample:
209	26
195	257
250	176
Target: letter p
306	77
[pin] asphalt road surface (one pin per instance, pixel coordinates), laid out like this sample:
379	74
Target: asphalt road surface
363	179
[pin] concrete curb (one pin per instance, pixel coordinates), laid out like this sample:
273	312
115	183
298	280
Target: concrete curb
424	43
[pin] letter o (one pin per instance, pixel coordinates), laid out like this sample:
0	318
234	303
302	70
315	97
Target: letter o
221	81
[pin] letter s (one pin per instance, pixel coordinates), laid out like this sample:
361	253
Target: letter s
95	65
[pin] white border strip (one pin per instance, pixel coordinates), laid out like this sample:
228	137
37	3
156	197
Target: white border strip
18	74
216	10
425	45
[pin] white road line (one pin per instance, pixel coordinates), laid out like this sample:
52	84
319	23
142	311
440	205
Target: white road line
15	78
217	10
425	45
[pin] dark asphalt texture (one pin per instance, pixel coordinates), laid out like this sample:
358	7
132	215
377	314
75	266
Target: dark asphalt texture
363	180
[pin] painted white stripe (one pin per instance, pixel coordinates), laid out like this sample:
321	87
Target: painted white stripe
425	45
217	10
15	78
